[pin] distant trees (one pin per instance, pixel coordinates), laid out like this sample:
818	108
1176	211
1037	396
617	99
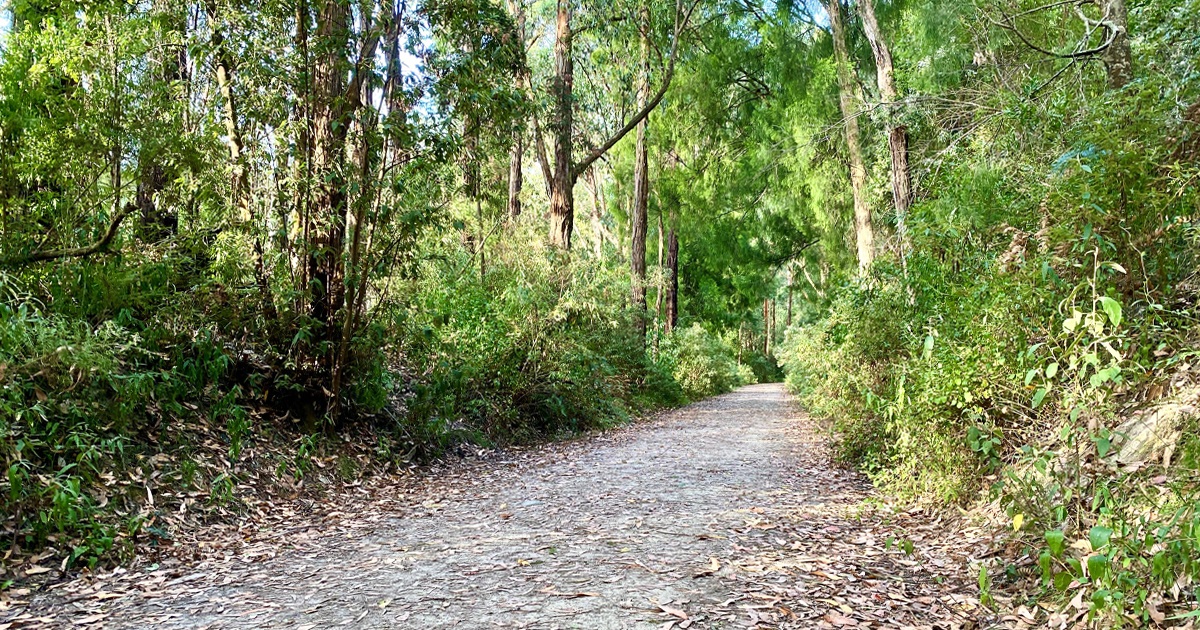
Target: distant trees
305	155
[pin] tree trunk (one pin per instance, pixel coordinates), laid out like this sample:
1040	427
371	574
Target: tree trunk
672	278
302	167
157	223
897	133
766	318
774	320
864	234
562	198
660	289
1118	59
517	152
159	220
240	177
365	158
515	175
789	292
641	191
336	103
329	148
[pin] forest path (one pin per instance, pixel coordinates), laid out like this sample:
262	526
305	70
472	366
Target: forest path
723	514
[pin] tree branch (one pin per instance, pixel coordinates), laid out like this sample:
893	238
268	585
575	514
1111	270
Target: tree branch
75	252
682	18
1009	24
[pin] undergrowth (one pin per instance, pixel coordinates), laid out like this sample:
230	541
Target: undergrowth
1048	302
128	393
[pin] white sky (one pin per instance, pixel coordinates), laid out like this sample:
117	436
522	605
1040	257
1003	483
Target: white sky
5	18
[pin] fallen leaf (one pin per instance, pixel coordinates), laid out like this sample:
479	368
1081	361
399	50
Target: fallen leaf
674	612
839	619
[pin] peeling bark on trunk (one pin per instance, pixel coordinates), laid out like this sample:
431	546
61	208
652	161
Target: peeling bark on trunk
562	198
897	133
1118	58
863	231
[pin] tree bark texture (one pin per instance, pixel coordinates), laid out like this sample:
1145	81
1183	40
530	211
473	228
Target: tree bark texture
660	288
1118	58
517	152
566	171
562	198
672	278
863	231
897	133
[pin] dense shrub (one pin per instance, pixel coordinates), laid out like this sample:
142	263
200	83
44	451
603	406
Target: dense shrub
703	363
530	350
1050	290
533	349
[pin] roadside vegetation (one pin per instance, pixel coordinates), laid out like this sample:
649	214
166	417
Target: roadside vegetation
253	251
261	249
1029	348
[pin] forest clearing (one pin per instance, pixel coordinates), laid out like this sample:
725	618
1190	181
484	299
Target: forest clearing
600	313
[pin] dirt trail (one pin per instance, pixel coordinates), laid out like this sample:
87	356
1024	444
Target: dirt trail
723	514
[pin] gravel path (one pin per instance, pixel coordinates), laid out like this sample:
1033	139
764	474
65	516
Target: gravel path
721	514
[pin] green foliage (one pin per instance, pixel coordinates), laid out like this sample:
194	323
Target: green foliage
529	351
277	262
1123	548
1048	285
703	364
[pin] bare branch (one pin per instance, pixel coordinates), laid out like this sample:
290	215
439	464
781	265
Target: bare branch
1008	23
75	252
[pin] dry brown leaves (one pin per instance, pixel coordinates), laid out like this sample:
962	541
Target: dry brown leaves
798	551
